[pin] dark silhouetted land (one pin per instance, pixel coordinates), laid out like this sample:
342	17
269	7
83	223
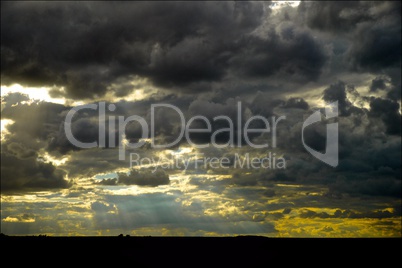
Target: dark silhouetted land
255	250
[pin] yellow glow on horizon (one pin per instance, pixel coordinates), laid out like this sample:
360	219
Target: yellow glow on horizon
338	227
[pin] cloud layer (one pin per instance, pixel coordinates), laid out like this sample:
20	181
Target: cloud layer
231	59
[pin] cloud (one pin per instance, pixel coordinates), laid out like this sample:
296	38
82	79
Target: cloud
102	207
144	178
338	92
188	43
37	120
20	218
139	211
379	214
110	182
379	83
388	111
286	51
297	103
377	44
370	186
203	58
23	167
29	174
13	99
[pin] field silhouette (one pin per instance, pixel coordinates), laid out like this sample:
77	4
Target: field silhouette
146	251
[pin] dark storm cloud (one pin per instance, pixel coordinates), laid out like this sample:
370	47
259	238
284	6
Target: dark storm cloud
377	45
346	16
185	46
337	92
85	124
27	173
287	51
298	103
333	16
41	124
90	162
369	157
364	36
361	185
378	84
33	131
144	178
263	104
22	168
395	91
36	121
388	111
85	47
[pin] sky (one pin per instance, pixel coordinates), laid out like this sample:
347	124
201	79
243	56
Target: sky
242	62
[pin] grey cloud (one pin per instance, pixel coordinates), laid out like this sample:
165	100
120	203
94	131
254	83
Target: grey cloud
262	177
263	104
333	17
85	47
188	47
388	111
29	174
378	83
337	92
99	206
374	186
109	182
20	151
345	17
144	178
298	103
395	91
12	99
377	45
364	36
380	214
90	162
38	120
287	52
21	166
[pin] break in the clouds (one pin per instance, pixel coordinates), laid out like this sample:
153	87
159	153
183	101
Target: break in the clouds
230	59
